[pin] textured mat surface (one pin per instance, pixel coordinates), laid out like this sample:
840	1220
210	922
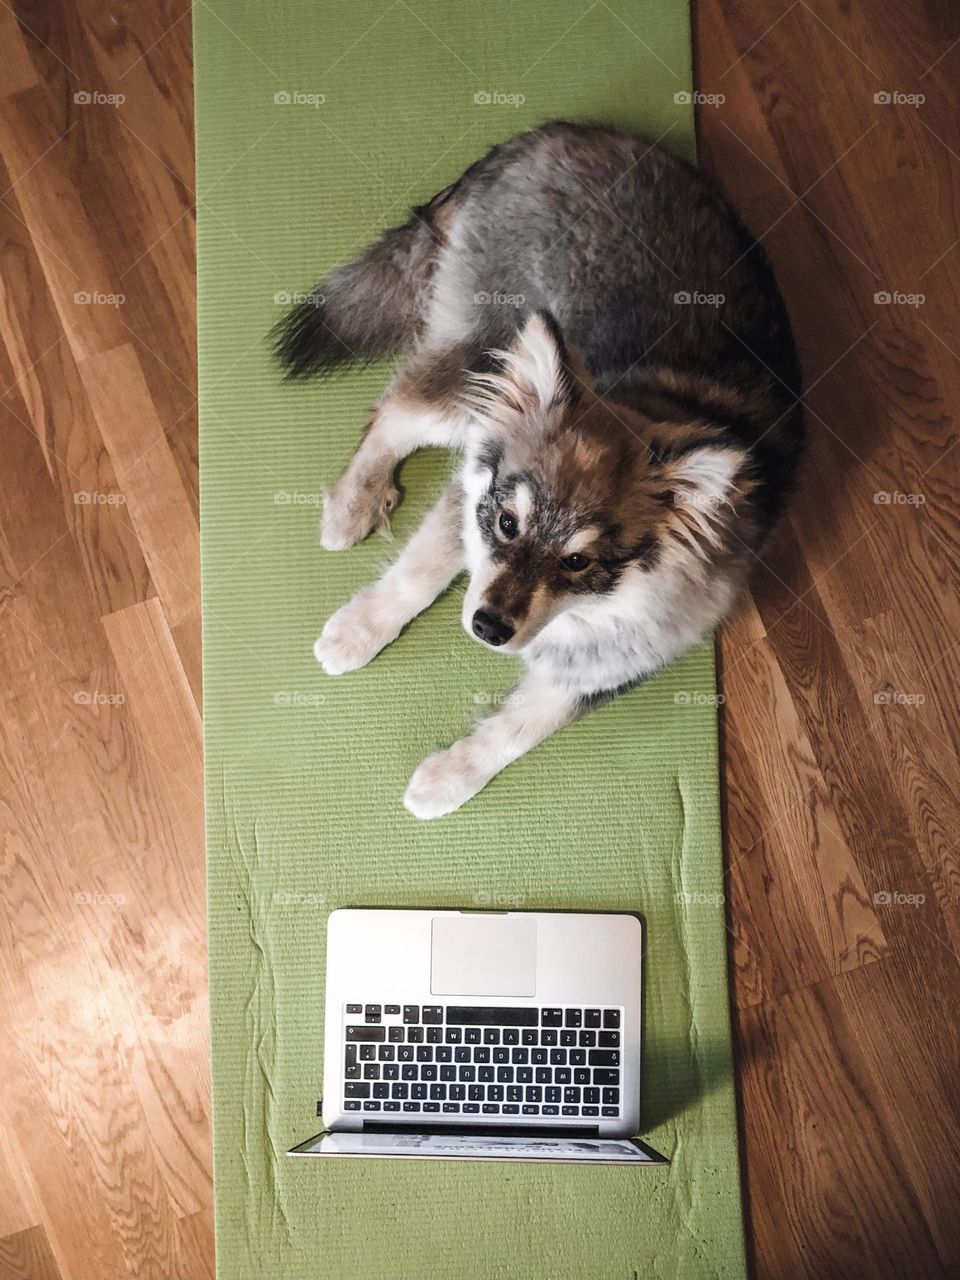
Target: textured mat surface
316	127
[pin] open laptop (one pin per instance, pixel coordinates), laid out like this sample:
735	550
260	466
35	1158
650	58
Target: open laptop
482	1035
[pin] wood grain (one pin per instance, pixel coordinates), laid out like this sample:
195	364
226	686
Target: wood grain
840	730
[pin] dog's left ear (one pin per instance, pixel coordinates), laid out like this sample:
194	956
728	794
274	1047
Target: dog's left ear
535	374
700	489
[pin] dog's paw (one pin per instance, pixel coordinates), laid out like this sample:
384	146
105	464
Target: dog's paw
353	508
446	781
354	635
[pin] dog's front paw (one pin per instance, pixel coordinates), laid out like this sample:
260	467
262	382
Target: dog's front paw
354	508
446	781
354	635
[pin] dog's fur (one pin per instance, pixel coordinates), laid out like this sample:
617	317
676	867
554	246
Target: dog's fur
624	454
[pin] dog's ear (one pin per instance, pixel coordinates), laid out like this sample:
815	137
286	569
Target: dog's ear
700	489
534	375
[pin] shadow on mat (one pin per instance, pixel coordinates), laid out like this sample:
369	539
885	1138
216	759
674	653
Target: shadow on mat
676	1074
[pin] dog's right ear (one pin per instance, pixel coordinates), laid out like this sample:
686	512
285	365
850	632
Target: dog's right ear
534	376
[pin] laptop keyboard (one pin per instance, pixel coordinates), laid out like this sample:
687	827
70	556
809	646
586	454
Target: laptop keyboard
483	1061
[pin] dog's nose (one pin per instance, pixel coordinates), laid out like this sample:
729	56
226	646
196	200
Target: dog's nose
491	629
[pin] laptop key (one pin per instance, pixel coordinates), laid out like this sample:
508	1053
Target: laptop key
396	1035
519	1057
391	1010
604	1058
490	1109
504	1075
451	1108
491	1035
373	1012
470	1108
528	1037
471	1035
581	1075
448	1072
405	1053
501	1054
486	1074
495	1093
475	1093
491	1016
562	1075
418	1091
467	1074
510	1109
611	1019
386	1053
591	1018
351	1106
354	1008
368	1052
571	1094
609	1039
551	1017
411	1013
431	1106
481	1053
530	1110
568	1037
514	1093
578	1057
411	1106
409	1071
371	1071
543	1075
588	1039
611	1097
534	1093
461	1054
569	1111
454	1035
428	1071
400	1091
553	1094
356	1089
381	1090
551	1111
524	1075
431	1013
350	1055
415	1035
573	1018
438	1092
457	1092
601	1076
591	1096
548	1036
589	1111
434	1035
610	1111
371	1106
558	1057
424	1053
351	1073
511	1035
361	1032
391	1106
539	1055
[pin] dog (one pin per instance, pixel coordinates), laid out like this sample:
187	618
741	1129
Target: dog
587	322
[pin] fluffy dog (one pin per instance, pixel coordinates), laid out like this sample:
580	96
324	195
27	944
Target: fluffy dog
587	322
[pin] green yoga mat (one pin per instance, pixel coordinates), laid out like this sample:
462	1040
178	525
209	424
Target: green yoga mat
317	126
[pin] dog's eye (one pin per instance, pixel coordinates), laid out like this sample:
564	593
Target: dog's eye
576	562
508	524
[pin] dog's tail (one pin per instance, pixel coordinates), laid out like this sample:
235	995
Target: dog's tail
369	308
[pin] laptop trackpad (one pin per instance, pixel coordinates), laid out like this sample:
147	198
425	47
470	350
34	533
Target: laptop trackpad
483	956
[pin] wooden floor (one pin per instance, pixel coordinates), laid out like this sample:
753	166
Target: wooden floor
840	730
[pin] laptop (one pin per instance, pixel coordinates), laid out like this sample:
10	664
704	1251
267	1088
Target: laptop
497	1035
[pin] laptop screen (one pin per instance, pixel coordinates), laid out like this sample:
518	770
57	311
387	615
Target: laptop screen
467	1146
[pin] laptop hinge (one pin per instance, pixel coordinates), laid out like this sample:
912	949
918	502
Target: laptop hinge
484	1130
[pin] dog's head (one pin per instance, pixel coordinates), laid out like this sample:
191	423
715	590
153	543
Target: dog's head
568	493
